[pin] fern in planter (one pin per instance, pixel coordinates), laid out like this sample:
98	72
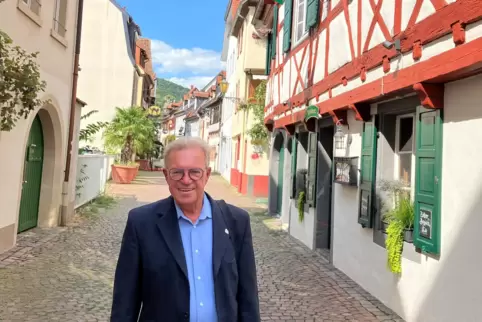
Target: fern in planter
301	206
400	218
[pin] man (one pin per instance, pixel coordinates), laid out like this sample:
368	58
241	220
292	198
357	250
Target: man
187	257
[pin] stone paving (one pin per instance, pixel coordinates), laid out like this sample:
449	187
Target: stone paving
66	274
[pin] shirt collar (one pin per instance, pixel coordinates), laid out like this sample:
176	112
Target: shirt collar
206	211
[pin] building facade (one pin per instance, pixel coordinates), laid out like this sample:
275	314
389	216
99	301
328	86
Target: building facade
249	170
360	95
228	55
33	166
108	62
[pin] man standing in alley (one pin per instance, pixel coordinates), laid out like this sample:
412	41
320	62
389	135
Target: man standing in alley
187	257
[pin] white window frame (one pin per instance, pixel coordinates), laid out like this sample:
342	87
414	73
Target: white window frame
57	24
29	3
398	152
295	23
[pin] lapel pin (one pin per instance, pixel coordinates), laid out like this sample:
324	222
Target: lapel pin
226	231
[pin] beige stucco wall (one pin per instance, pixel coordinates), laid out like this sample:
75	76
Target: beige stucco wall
429	289
107	76
56	63
252	56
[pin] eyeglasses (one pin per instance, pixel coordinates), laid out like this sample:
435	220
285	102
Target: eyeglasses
178	174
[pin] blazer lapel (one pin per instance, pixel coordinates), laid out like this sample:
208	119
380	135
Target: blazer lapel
169	226
221	236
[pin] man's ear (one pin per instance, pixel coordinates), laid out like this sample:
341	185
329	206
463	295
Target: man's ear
164	170
208	172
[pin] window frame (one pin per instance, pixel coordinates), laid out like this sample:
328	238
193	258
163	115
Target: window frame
397	152
294	29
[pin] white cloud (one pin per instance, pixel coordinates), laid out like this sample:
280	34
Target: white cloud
198	81
197	61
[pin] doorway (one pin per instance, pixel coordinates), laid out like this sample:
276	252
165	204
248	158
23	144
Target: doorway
32	178
324	185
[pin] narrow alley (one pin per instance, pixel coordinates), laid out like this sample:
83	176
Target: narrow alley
66	274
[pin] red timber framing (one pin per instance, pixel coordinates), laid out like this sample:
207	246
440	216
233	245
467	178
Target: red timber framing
465	59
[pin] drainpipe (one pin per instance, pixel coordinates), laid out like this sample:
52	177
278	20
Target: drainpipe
65	189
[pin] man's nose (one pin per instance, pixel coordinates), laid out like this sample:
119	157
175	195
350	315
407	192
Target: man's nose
186	179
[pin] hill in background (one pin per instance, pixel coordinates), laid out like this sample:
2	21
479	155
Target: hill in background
166	89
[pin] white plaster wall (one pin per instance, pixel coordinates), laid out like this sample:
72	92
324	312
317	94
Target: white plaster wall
107	76
429	290
56	68
179	123
97	171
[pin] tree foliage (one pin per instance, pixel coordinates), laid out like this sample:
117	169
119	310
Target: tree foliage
131	131
20	83
86	134
167	90
258	132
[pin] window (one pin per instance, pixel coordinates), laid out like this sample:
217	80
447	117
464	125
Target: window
299	21
240	39
34	5
404	147
60	17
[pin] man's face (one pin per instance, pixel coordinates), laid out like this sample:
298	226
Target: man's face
187	175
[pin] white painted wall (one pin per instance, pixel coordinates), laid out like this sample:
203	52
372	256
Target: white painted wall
429	290
107	76
97	171
56	68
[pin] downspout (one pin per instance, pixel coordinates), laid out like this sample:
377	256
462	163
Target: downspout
73	103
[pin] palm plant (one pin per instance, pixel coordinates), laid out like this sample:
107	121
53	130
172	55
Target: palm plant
130	131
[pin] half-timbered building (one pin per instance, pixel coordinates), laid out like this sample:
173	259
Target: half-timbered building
365	92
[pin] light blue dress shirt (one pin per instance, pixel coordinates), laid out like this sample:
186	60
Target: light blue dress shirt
197	240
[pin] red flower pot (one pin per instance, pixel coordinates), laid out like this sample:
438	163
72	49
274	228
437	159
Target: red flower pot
123	173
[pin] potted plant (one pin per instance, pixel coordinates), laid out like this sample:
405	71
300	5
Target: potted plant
130	131
400	228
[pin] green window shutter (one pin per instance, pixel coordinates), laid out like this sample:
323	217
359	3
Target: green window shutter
294	147
312	13
287	26
268	56
366	207
311	177
274	32
428	169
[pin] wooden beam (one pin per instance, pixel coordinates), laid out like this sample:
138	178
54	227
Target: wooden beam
339	116
362	111
430	95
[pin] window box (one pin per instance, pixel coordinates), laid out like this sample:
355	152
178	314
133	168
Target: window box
346	170
408	235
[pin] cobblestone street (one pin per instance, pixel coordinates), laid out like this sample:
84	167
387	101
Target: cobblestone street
66	274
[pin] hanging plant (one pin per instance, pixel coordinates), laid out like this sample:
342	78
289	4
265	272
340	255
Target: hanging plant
20	83
400	219
258	132
301	206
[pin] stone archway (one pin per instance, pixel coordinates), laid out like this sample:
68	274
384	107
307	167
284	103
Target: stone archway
52	167
276	182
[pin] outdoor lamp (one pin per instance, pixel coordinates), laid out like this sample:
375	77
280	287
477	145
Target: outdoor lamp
339	136
223	86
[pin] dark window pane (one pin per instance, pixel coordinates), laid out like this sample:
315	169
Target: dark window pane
406	134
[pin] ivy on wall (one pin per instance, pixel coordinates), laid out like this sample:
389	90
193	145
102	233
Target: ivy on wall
258	132
20	83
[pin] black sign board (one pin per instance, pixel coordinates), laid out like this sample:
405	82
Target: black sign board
425	223
364	205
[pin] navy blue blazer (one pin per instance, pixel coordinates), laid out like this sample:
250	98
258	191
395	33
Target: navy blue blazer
151	276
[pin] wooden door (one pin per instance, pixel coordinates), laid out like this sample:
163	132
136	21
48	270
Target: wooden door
32	178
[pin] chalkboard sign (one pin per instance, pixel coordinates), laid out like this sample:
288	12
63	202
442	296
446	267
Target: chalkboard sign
425	223
364	205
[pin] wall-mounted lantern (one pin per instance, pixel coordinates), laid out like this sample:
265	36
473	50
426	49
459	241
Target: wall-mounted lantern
339	136
223	86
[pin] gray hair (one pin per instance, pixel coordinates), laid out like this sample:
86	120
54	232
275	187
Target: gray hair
187	142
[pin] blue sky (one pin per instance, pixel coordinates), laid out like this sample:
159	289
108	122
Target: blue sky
187	37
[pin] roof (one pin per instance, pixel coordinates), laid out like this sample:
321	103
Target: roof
81	102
